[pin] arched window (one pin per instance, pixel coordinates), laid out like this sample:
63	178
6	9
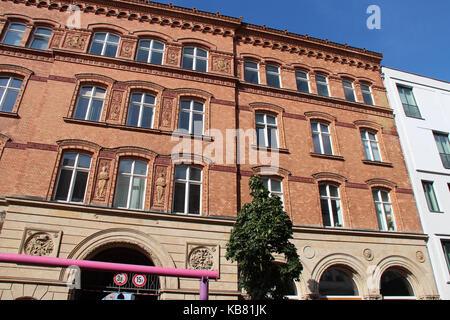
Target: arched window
322	85
73	177
90	103
337	282
131	184
41	38
141	110
195	58
251	71
14	34
150	51
9	91
394	285
105	44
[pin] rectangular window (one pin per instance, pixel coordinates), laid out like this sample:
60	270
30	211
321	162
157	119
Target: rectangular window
9	91
274	186
191	117
370	144
349	91
430	195
321	138
302	81
41	37
266	130
131	184
330	203
187	192
273	76
383	207
14	34
73	177
251	72
446	249
322	86
367	94
443	146
409	102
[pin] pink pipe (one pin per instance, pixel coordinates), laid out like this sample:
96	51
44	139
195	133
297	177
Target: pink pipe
106	266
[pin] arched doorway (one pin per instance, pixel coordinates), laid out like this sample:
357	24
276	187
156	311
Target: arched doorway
95	285
337	283
395	285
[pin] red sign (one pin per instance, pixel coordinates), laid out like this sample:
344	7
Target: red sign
120	279
139	280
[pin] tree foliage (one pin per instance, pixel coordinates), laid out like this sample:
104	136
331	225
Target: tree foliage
263	229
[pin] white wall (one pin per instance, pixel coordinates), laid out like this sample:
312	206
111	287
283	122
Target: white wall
423	160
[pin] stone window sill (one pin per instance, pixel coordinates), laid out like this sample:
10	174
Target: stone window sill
378	163
327	156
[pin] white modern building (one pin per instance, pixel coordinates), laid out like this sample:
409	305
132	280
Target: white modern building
422	113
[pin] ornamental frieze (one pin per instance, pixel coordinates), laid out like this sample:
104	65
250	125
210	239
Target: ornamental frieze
221	64
76	41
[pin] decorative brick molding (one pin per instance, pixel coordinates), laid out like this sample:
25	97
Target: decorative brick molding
3	140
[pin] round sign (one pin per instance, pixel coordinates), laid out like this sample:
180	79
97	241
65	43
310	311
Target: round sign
120	279
139	280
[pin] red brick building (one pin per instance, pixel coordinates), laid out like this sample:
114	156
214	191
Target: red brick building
96	102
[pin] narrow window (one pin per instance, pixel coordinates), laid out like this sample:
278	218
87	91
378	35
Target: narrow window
367	94
150	51
349	90
9	91
302	81
191	117
443	146
370	143
321	138
322	85
14	34
446	249
73	177
266	130
273	76
105	44
251	72
131	183
195	59
383	207
430	195
330	203
187	193
90	103
141	110
41	37
274	186
409	102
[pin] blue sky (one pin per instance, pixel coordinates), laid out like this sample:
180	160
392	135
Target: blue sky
414	34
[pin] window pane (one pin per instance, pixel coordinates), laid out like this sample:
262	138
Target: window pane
140	168
96	48
79	187
156	57
113	38
179	197
188	51
63	185
381	223
375	151
273	80
142	55
188	63
324	128
84	161
322	90
183	122
430	196
123	183
260	137
39	43
367	150
201	53
200	65
316	142
259	118
158	45
9	101
96	110
198	106
384	196
144	44
302	86
181	172
198	124
69	159
327	144
80	110
276	185
323	190
325	213
110	50
100	36
185	104
147	117
14	37
195	174
125	166
336	208
272	137
334	191
137	193
194	198
133	115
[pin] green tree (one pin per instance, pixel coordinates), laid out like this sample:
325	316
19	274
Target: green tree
263	229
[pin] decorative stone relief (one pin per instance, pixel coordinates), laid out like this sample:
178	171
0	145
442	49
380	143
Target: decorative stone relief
101	186
368	254
202	257
166	113
172	56
221	64
160	186
420	256
76	41
127	49
40	242
116	105
309	252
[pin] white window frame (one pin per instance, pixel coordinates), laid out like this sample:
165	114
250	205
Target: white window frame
106	42
151	49
252	70
433	194
132	175
7	88
321	135
302	80
265	126
362	85
367	141
74	170
269	187
195	57
16	31
352	87
187	182
41	36
273	73
91	97
191	116
323	83
329	199
384	220
141	104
